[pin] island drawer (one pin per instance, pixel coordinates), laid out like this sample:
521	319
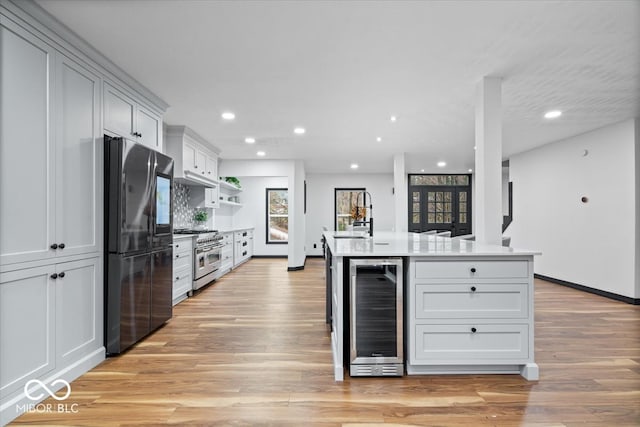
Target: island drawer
459	301
469	269
471	343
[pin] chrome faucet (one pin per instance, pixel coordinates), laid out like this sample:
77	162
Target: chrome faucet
364	221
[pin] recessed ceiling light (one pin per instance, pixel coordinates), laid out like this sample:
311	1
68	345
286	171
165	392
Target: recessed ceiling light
299	131
228	115
470	170
249	140
354	166
442	164
552	114
393	118
421	170
474	147
261	153
378	139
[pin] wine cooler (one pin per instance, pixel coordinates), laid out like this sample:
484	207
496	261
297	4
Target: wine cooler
375	318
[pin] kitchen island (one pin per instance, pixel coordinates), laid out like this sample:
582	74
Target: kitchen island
469	307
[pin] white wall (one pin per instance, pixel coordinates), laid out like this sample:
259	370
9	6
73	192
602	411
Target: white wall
637	212
253	211
293	171
593	244
320	202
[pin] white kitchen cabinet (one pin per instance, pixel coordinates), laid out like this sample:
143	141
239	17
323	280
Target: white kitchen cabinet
27	326
243	246
226	255
79	168
51	166
182	267
125	117
211	165
51	318
471	315
203	197
79	309
195	159
27	153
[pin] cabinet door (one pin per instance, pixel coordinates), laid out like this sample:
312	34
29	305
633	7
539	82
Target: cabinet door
212	199
201	162
27	326
79	315
119	111
26	152
189	158
212	167
78	159
149	128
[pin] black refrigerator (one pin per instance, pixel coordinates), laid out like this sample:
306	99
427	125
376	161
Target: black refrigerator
138	236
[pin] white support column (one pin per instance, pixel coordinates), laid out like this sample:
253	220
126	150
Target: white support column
297	229
401	202
487	223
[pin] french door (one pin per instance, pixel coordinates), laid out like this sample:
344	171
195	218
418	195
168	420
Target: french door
440	202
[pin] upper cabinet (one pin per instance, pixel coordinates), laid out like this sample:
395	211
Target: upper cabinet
50	163
125	117
195	159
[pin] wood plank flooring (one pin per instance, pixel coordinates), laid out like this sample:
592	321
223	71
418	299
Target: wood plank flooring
253	350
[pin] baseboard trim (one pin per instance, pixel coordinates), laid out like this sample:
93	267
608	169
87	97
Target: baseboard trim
610	295
270	256
301	267
16	405
315	256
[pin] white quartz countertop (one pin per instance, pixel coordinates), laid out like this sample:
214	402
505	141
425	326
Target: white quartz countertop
231	230
388	243
183	236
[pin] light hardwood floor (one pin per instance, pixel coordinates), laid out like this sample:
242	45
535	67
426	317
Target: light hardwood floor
253	350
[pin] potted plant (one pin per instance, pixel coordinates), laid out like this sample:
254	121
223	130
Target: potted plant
201	218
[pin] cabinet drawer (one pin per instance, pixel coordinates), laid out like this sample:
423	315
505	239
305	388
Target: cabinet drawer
182	247
471	301
471	269
182	274
455	344
181	261
182	286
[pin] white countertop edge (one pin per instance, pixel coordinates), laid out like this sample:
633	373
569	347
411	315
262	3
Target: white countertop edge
415	245
232	230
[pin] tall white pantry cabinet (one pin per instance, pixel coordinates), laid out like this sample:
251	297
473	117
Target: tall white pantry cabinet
52	108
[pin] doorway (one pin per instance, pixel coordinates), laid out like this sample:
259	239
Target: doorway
440	202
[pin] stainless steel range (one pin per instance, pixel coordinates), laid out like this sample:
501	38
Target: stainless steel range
207	256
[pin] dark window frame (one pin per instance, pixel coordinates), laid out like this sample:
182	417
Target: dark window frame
267	216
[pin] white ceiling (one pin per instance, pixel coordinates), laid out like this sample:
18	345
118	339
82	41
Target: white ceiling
341	69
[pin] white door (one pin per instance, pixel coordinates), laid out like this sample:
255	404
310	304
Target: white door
149	127
79	313
119	111
27	326
79	159
26	152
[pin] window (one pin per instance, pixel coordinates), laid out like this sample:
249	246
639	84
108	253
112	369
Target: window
346	202
277	215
